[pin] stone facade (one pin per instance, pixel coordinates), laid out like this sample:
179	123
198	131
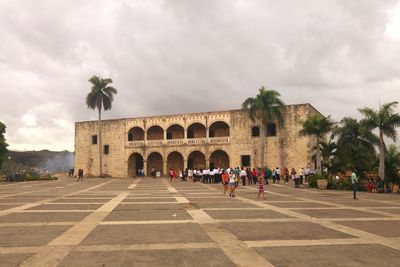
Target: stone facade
197	140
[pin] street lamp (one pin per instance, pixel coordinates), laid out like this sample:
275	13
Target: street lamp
10	170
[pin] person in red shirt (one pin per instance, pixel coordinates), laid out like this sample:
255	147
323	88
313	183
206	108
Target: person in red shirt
254	176
225	179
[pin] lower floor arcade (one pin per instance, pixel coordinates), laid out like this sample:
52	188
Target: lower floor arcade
175	160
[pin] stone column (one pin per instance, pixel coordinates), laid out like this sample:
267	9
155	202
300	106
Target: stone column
164	170
145	167
185	163
208	134
207	163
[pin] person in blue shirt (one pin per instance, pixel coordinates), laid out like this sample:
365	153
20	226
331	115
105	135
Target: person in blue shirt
354	182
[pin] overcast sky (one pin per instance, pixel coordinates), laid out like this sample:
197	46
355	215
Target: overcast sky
178	56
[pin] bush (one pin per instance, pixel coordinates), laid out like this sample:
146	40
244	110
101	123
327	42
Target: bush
341	184
312	180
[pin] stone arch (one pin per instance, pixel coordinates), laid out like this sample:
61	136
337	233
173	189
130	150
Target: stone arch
219	129
219	158
154	160
175	161
155	132
196	160
136	133
175	131
196	130
135	163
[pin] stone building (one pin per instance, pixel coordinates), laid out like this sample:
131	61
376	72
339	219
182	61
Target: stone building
195	140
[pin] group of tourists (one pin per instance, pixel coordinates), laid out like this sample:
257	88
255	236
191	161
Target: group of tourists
247	176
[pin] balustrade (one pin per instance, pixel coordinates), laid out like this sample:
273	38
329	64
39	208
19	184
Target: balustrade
177	142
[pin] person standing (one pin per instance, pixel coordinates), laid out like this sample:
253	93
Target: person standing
307	173
261	188
278	175
80	175
232	184
243	176
225	179
254	175
294	177
354	182
273	176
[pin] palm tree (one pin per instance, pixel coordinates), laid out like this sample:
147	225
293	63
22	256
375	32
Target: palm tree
328	151
392	164
318	126
386	121
355	146
266	106
101	96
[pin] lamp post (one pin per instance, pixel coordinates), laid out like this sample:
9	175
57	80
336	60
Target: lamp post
10	169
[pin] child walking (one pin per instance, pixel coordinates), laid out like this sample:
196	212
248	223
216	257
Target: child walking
261	187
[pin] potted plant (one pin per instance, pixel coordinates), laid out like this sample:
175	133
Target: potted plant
322	183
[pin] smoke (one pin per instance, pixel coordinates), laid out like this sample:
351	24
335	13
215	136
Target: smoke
60	162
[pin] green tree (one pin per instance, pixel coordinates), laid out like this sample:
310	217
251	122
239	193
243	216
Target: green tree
386	120
318	126
392	164
266	107
355	146
3	143
101	96
328	152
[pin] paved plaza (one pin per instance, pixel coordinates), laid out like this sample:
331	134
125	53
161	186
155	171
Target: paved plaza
155	222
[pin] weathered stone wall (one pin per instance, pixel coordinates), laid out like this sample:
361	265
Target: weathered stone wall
287	148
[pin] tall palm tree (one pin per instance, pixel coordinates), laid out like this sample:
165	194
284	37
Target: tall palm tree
386	120
266	106
318	126
101	96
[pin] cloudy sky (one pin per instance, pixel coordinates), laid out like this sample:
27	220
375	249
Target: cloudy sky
177	56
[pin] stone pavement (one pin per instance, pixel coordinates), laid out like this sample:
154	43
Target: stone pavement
153	222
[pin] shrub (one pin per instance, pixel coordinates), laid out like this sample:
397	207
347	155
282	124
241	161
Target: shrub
341	184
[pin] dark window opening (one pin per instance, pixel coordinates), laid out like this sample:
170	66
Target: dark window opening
130	137
211	133
169	135
271	129
255	132
94	139
245	161
190	134
106	149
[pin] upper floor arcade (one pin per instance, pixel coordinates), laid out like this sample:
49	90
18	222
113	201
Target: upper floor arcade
195	133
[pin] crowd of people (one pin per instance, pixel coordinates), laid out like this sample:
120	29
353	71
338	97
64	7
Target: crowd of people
232	177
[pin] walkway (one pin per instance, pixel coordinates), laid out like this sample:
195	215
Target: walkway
153	222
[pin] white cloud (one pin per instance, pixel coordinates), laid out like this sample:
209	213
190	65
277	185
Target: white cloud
187	56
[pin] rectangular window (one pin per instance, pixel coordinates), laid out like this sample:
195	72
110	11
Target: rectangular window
245	160
255	131
271	129
106	149
94	139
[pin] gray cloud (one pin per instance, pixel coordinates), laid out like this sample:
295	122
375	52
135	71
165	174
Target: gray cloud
188	56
